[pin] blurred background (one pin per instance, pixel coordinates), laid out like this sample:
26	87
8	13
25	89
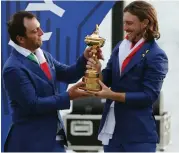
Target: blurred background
67	31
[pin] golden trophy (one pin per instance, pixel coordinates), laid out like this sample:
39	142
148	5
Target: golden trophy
91	75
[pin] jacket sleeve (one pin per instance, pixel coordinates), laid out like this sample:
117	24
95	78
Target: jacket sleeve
21	90
155	71
70	74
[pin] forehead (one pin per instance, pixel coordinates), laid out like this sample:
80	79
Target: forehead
130	17
31	24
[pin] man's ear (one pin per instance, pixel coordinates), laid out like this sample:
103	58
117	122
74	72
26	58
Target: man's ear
20	39
145	22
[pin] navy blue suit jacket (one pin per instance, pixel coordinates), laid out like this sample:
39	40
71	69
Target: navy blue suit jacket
141	80
34	100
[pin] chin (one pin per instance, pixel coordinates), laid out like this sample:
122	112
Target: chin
39	45
131	39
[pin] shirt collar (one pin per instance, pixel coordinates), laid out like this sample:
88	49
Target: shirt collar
20	49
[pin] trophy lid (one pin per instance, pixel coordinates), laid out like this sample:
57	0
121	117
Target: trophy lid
95	34
94	38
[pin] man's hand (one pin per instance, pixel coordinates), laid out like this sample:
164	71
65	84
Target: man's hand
109	94
75	92
88	53
93	64
104	93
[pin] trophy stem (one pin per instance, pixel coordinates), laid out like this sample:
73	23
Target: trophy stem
94	52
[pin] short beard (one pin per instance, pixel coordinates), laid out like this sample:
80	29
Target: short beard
137	37
39	45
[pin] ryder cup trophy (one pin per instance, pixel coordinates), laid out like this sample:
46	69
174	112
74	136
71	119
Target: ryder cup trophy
91	75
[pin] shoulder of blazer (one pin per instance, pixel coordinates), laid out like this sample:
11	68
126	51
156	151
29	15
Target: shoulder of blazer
14	60
154	51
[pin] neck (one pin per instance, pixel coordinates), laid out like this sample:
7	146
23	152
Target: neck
30	49
136	39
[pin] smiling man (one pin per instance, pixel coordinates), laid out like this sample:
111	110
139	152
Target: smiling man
135	73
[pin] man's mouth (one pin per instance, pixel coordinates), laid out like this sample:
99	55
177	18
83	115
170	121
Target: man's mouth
128	33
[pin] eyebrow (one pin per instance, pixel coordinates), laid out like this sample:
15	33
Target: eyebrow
36	27
127	21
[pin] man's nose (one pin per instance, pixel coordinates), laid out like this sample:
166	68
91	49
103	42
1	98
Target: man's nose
125	27
41	32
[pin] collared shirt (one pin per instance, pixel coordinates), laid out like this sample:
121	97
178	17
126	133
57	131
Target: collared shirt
22	50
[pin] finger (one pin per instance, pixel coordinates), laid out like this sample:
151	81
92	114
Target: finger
91	92
98	49
90	54
79	84
100	55
94	93
88	66
91	65
84	93
89	49
101	83
91	60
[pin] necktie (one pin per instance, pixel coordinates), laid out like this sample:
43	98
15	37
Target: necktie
43	66
31	56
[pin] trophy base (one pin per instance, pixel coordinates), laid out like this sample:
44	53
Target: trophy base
91	81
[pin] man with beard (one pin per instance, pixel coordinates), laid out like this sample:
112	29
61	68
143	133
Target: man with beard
132	82
30	75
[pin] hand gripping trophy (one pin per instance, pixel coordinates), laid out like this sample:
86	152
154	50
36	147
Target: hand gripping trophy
91	75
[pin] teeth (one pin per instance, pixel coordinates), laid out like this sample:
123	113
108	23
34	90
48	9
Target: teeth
127	33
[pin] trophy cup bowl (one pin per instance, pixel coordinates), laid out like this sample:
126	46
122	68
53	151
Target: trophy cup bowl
91	75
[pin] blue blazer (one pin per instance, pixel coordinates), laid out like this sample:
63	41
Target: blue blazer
34	100
141	80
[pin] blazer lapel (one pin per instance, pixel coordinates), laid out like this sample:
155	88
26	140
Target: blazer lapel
116	63
136	58
32	66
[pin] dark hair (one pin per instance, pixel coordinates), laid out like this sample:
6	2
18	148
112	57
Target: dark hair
144	10
16	25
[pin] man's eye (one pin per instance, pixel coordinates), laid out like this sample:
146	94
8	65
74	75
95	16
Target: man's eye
128	23
34	31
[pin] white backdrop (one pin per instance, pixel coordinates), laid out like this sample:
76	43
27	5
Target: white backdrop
168	23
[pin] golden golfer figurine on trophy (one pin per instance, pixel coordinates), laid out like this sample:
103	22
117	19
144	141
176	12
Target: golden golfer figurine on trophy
91	75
